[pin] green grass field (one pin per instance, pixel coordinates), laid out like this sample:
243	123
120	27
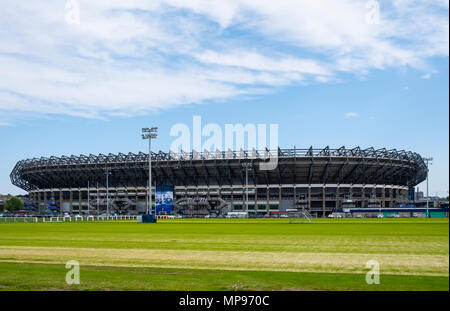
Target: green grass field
263	254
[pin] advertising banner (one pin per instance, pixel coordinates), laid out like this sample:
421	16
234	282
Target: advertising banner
164	199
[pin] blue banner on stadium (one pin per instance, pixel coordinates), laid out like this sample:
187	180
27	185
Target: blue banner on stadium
164	199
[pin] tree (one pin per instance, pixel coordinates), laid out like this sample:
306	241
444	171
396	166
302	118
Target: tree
13	204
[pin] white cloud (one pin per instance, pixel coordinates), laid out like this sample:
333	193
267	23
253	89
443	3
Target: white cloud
219	11
132	57
256	61
351	114
429	74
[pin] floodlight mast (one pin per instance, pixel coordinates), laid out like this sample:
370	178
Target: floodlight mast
428	198
149	133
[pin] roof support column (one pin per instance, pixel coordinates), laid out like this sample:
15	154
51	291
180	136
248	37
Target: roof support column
70	199
363	196
309	197
79	201
45	199
351	194
391	197
232	199
323	202
338	198
136	199
279	198
295	196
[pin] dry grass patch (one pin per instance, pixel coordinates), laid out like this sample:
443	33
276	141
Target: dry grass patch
404	264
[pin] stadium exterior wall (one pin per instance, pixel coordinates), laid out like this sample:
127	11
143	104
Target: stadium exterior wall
322	180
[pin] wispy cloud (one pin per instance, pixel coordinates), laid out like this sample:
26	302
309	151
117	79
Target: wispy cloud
134	57
351	114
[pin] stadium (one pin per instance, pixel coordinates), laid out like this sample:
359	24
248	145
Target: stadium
215	183
185	250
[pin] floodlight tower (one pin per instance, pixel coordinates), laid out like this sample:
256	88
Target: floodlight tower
427	160
149	133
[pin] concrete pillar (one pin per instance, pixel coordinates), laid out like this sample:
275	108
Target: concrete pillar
309	196
79	200
98	201
232	200
71	199
391	199
295	196
60	199
45	199
279	198
256	199
350	192
363	196
338	198
136	198
323	202
244	198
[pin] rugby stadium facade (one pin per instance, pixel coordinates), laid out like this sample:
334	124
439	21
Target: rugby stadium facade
323	180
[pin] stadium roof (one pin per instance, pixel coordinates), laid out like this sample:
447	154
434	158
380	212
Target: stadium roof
341	165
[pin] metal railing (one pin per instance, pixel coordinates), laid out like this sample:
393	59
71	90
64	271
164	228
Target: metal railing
65	218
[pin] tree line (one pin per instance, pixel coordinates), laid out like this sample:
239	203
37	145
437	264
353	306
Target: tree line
13	204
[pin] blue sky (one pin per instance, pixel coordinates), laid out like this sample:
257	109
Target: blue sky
322	70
